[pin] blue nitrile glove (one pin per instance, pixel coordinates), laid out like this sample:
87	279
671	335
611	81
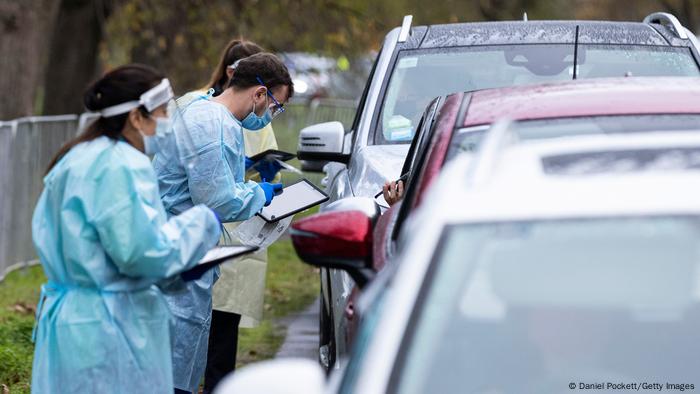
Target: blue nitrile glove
218	219
248	163
268	169
270	189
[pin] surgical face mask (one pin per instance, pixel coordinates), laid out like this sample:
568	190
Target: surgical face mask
153	144
255	122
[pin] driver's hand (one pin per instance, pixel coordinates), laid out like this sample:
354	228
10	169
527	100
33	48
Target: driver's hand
393	192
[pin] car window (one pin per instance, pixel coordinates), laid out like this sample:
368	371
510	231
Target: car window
418	144
599	61
414	164
421	75
534	306
467	139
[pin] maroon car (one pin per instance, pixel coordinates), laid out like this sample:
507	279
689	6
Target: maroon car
456	123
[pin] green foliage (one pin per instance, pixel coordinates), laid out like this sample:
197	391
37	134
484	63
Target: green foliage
184	38
19	293
291	286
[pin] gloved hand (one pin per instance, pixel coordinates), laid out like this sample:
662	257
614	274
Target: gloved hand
270	189
268	169
248	163
217	216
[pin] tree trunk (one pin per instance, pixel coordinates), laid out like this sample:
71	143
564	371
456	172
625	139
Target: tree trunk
25	27
73	55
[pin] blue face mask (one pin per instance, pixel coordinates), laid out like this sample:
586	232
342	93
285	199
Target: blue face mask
155	143
254	122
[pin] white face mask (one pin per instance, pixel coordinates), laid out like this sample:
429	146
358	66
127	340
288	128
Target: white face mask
153	144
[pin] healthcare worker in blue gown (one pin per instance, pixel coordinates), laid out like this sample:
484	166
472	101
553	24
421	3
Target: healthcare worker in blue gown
105	243
256	93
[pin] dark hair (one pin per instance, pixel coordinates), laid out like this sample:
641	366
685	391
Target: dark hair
234	51
125	83
264	65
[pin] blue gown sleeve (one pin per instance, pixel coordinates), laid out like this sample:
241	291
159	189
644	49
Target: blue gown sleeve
135	232
211	181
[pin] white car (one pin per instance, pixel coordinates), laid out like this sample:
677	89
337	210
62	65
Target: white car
542	266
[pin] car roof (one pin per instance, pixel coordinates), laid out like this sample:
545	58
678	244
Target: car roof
517	187
540	32
590	97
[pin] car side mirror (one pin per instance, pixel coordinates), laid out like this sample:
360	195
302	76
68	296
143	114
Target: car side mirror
322	142
340	238
285	375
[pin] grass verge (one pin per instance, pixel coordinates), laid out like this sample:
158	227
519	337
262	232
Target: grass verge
291	286
19	293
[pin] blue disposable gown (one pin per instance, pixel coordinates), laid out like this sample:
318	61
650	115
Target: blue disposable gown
104	241
210	172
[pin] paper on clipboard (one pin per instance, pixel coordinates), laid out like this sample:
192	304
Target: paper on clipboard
256	231
221	253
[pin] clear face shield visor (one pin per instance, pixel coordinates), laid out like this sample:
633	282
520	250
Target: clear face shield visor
151	99
174	140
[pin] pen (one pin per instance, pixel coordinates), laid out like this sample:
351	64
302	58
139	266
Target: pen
403	178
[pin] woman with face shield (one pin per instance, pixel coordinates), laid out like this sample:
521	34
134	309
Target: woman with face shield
104	240
255	94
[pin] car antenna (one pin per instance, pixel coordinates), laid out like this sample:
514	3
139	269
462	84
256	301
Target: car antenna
576	52
525	16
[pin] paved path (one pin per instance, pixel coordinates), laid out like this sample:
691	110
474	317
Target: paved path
302	334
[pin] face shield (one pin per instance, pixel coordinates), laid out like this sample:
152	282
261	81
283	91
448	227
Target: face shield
150	100
173	140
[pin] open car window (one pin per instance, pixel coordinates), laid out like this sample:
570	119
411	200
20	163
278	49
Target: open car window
415	162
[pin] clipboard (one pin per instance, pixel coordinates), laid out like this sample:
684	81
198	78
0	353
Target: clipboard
272	154
293	199
214	257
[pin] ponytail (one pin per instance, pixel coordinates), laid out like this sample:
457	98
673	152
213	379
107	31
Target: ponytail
125	83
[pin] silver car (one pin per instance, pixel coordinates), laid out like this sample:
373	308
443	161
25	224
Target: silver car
419	63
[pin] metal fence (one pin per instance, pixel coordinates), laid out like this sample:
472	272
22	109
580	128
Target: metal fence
28	144
299	115
26	147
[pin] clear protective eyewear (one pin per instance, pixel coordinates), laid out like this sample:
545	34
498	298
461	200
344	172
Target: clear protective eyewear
151	99
276	108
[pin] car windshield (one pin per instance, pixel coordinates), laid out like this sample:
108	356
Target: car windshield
420	76
534	306
467	139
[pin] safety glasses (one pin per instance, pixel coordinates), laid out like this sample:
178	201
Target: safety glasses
276	108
